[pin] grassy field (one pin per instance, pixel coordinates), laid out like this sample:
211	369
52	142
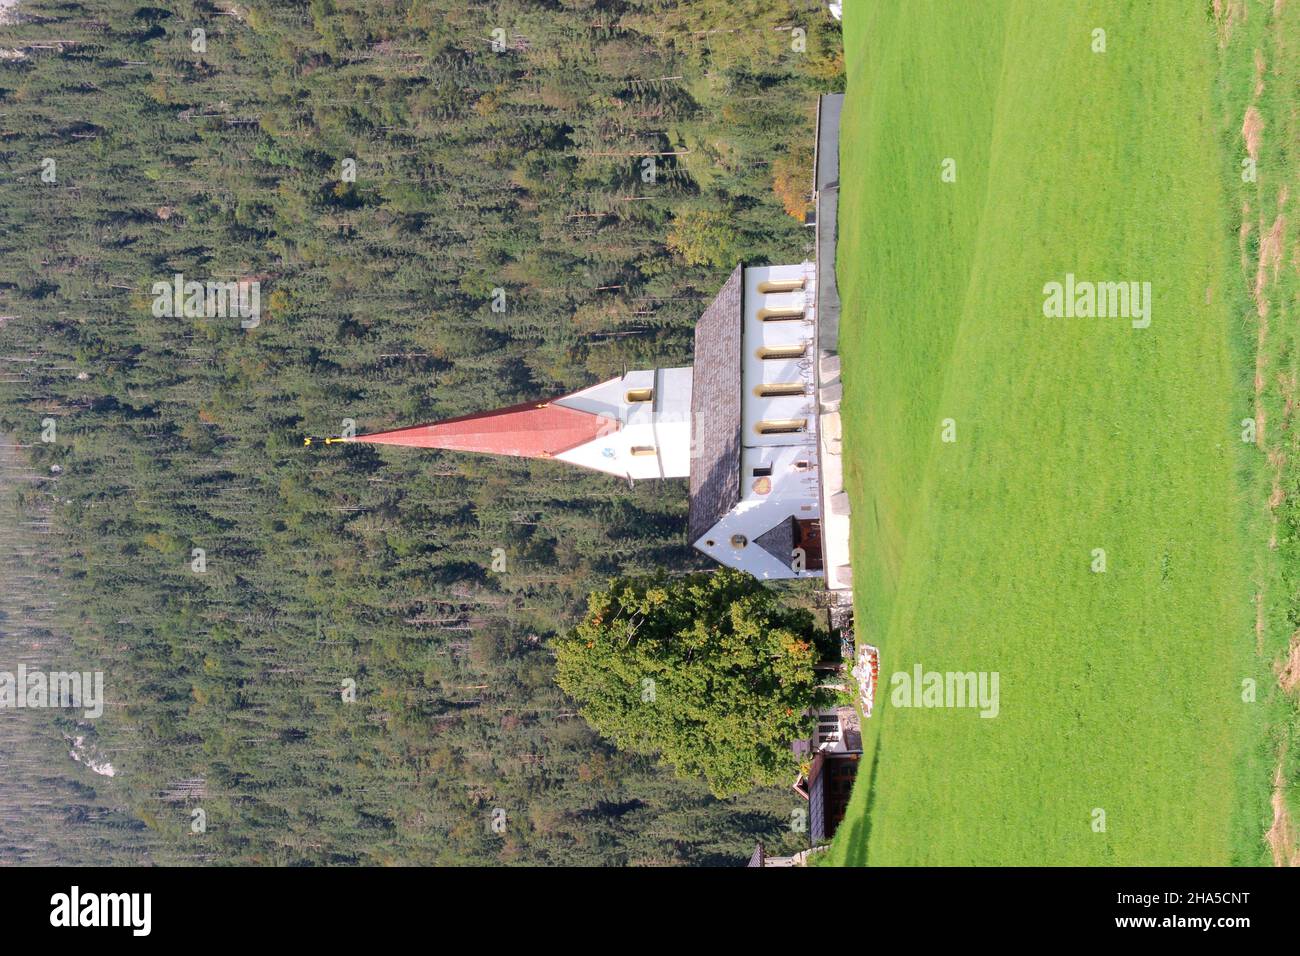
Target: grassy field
1122	736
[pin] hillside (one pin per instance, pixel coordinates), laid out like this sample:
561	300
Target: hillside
1075	504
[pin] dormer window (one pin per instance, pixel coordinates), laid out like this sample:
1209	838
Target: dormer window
635	395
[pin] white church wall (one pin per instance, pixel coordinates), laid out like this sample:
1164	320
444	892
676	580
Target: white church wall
673	420
607	398
645	439
758	338
793	476
746	522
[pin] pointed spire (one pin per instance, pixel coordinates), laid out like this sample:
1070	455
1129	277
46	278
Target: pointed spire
530	430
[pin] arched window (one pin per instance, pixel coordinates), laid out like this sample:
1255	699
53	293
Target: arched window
781	426
781	285
635	395
776	389
643	449
780	315
783	351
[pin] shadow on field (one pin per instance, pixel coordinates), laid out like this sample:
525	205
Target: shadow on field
855	852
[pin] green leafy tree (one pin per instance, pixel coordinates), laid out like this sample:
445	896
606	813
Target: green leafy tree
704	237
710	671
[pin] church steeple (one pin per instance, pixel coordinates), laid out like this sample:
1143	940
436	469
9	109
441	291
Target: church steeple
637	426
743	424
529	430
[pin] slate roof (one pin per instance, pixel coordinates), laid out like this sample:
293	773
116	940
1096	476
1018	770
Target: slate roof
715	409
817	799
826	186
778	541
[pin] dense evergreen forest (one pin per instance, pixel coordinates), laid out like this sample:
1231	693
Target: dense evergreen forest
545	193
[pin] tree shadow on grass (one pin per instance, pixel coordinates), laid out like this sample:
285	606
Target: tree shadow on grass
859	835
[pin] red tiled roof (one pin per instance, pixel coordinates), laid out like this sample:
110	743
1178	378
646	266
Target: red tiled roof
530	430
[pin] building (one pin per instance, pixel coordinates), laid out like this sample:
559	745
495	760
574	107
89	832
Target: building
831	757
742	424
828	761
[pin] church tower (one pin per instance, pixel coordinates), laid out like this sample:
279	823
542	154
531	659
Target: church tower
741	424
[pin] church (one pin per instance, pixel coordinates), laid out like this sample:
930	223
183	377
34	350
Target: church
752	424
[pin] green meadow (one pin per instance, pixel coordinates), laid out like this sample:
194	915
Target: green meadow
1097	532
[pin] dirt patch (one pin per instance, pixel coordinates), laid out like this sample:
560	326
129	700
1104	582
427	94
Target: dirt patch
1281	835
1252	129
1259	622
1289	677
1270	254
1287	385
1259	73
